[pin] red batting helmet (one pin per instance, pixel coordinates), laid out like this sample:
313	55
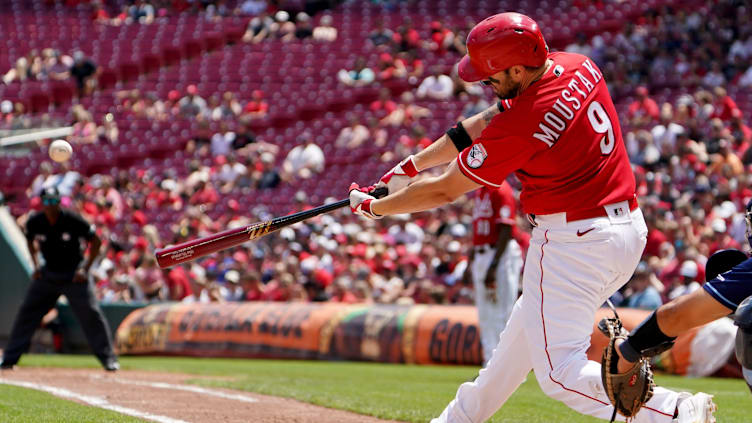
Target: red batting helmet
500	42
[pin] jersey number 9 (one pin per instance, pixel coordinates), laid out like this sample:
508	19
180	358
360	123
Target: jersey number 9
601	124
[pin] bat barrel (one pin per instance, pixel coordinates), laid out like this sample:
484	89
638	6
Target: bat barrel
191	250
196	248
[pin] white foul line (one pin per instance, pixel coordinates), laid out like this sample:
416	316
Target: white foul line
92	400
187	388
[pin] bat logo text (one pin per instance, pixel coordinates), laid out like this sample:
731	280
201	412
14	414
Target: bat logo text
257	231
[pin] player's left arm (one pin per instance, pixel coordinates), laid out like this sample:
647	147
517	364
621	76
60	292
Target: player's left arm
424	194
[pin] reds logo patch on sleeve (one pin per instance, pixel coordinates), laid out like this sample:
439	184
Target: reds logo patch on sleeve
476	156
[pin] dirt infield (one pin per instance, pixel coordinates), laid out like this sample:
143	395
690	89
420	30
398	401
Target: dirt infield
165	397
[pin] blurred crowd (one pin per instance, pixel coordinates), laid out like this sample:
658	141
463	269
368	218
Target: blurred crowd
690	154
336	257
51	65
707	47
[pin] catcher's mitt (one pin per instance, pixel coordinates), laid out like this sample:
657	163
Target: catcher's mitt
628	391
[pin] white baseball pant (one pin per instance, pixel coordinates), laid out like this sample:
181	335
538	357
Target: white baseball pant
566	278
495	307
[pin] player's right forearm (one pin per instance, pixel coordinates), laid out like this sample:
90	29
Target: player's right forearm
443	150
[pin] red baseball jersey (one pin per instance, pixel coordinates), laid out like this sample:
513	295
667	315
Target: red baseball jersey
561	138
492	207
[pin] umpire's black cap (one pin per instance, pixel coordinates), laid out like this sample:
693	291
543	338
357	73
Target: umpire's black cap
50	195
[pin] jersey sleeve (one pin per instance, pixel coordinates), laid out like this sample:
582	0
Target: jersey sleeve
488	161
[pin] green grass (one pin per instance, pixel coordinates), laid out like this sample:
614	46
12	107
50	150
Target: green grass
21	405
400	392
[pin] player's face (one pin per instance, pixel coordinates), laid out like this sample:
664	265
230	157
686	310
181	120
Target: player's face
503	85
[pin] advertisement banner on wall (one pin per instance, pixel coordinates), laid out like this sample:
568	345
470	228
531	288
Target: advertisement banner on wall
383	332
419	334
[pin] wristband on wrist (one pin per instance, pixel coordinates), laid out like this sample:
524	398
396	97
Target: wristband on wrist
409	167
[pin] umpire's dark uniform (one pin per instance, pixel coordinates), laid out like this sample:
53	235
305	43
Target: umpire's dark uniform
58	233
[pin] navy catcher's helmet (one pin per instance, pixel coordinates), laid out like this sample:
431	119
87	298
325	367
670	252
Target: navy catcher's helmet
722	261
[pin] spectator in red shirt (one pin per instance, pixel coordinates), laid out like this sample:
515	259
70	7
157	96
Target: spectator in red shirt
340	291
724	106
406	38
644	109
739	130
416	141
384	103
99	14
257	107
278	289
252	287
177	282
408	65
655	236
386	69
204	194
441	38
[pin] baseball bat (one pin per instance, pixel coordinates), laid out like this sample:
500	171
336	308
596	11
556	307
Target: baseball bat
197	248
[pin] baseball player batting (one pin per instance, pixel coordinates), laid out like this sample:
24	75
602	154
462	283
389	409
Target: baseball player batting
562	139
727	290
495	262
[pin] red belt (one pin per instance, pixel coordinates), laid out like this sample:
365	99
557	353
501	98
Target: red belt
599	211
596	211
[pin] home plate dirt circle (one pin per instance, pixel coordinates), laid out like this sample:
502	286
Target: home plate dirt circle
166	398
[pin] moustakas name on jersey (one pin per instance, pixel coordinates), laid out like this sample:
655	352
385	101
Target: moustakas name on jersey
562	139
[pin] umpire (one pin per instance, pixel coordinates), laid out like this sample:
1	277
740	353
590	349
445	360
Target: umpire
58	233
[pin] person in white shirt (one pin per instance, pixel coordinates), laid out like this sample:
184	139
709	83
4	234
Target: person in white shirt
714	77
688	283
325	31
253	7
304	160
437	86
229	172
665	133
352	136
43	180
221	142
66	180
746	79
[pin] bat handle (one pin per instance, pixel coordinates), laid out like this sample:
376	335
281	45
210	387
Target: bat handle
380	192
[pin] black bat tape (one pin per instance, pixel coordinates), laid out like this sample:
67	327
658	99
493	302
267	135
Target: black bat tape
260	229
380	192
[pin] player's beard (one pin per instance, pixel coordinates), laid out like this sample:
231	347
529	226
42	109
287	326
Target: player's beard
510	91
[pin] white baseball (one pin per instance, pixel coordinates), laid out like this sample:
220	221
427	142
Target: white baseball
60	150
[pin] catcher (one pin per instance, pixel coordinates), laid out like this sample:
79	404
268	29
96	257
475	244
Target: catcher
728	290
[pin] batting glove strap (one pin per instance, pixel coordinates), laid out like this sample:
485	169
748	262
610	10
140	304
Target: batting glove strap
399	176
360	201
364	209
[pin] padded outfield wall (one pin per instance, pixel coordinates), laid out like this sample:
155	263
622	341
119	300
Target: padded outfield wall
15	271
416	334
